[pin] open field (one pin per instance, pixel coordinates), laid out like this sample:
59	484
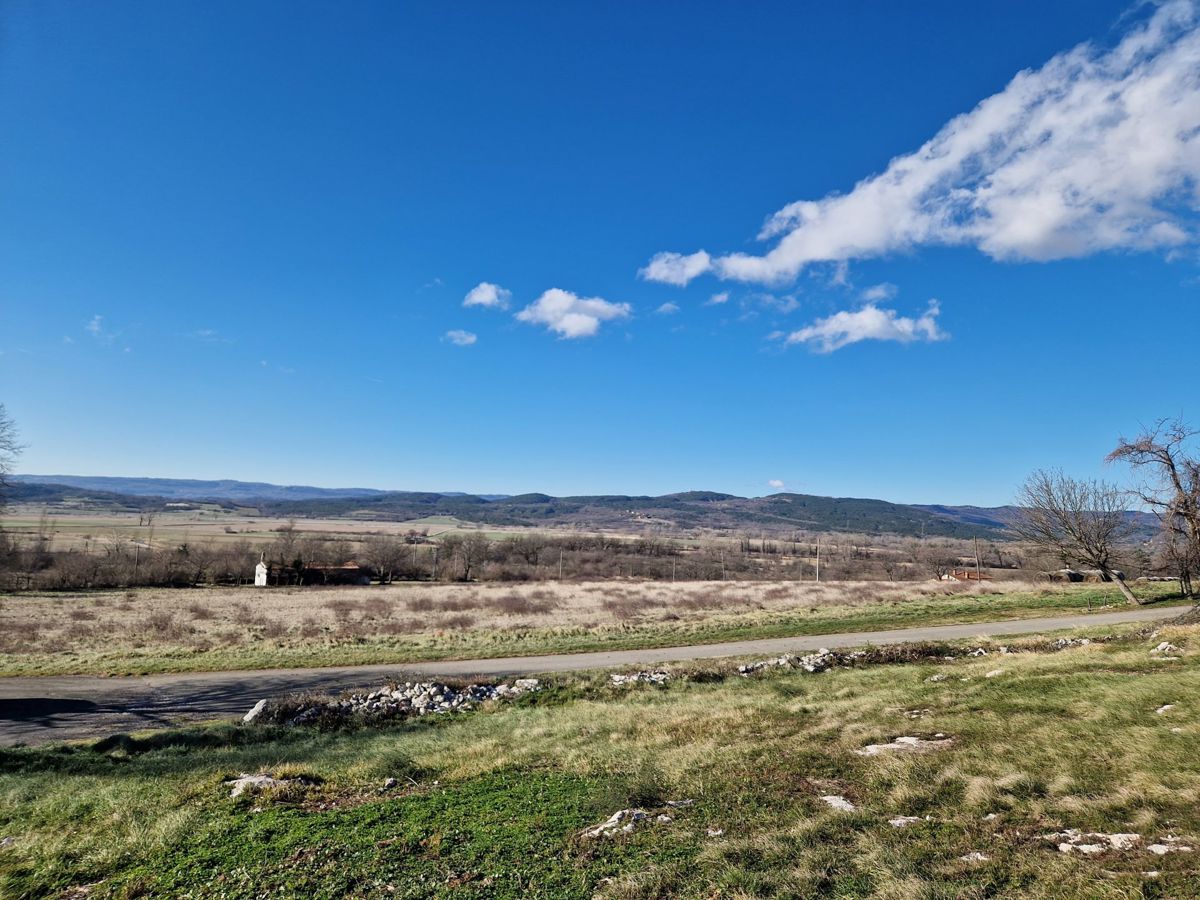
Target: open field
152	630
76	529
493	803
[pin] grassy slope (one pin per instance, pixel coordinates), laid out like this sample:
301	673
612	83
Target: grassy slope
481	643
494	800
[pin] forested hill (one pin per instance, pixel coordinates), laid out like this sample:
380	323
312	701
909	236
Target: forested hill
777	513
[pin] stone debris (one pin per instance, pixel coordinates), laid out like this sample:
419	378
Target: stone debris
905	821
657	677
1167	647
991	817
625	821
1165	708
390	784
255	783
412	698
838	802
715	832
7	841
941	676
811	662
1169	844
978	651
255	712
916	713
975	856
1064	643
994	673
1091	842
907	745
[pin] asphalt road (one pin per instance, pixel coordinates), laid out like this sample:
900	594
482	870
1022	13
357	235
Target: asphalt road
65	707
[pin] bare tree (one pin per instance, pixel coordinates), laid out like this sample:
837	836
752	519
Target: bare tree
1082	522
1171	488
10	448
386	554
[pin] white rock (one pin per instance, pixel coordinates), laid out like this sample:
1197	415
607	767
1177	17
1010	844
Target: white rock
1165	708
904	821
715	832
838	802
994	673
245	782
623	820
1091	842
255	712
975	856
906	745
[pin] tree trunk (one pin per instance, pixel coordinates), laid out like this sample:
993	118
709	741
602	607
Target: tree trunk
1124	588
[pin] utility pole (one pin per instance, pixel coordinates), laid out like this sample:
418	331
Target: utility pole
818	560
433	576
560	555
978	576
672	570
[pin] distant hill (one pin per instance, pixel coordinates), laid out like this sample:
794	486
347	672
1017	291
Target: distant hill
691	510
195	489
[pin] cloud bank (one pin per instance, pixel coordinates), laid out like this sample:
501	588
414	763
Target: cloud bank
1095	151
571	316
868	324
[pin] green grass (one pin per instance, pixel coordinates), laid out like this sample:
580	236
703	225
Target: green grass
493	801
117	656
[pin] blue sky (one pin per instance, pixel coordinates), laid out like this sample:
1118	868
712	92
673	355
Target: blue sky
237	240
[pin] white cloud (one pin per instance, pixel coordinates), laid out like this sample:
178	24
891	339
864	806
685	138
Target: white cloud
1097	150
868	324
460	338
675	268
95	326
571	316
717	299
877	292
776	484
487	294
668	309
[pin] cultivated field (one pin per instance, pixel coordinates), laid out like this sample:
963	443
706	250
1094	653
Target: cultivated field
163	630
493	803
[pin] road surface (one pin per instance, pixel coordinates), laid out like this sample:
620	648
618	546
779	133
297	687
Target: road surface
66	707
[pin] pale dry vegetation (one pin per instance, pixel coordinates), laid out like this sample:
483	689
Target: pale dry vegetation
219	628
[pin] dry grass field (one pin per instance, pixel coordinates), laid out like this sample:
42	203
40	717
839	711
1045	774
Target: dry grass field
156	630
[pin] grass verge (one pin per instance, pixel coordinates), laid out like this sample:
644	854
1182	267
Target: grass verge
492	803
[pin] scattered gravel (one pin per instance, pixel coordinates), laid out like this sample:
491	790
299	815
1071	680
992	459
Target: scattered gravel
625	821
